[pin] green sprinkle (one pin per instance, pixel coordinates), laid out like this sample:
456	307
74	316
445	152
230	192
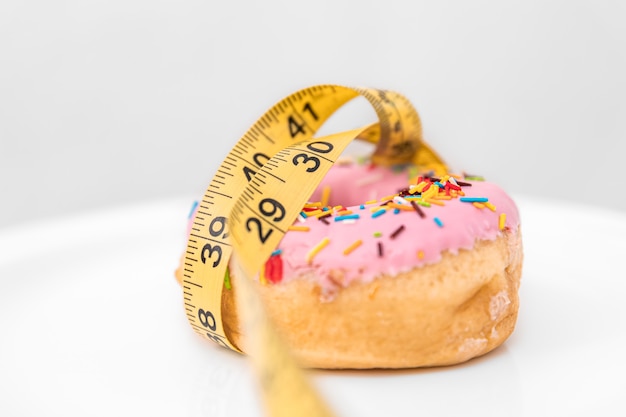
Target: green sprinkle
377	234
227	279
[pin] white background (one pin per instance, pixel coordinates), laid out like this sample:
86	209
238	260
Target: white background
105	103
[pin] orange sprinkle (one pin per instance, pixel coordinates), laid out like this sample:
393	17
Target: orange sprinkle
490	206
420	254
316	249
325	196
299	228
435	201
352	247
501	221
400	206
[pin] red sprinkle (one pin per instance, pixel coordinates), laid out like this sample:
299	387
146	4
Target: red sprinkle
274	269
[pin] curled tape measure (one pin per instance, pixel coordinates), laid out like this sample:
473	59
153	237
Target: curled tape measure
257	193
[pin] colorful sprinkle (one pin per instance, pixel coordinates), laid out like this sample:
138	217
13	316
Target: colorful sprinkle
315	204
438	221
396	232
419	211
478	205
377	234
502	221
420	254
299	228
396	211
362	206
352	247
380	249
490	206
325	196
347	217
316	249
277	252
474	199
378	213
324	220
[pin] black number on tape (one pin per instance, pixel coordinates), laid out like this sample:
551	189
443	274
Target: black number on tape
315	147
207	319
307	107
211	249
249	173
274	207
304	158
259	227
295	127
217	226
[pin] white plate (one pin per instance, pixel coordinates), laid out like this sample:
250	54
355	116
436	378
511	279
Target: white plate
91	323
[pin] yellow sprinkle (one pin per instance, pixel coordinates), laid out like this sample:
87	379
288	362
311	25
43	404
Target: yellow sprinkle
336	208
430	192
325	196
436	202
419	187
344	212
490	206
299	228
352	247
444	179
262	278
441	196
314	204
501	221
389	197
478	205
313	213
316	249
400	206
420	254
371	201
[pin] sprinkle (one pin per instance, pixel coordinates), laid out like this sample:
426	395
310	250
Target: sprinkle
316	204
344	212
417	209
301	219
371	201
193	209
438	184
490	207
361	206
227	279
299	228
389	197
380	249
316	249
400	207
474	199
324	220
352	247
420	254
377	234
501	221
396	211
347	217
397	232
435	202
277	252
478	205
463	184
303	214
274	269
423	203
420	187
474	178
338	208
313	213
262	278
438	221
325	196
378	213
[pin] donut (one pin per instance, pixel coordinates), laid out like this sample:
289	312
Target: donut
387	268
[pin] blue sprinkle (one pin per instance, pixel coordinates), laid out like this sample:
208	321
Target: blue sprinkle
438	221
303	214
474	199
440	185
378	213
193	209
362	206
346	217
277	252
325	209
396	211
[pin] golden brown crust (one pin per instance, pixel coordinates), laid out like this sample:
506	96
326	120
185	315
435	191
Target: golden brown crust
441	314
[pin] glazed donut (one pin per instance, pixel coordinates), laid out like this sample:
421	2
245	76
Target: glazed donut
388	269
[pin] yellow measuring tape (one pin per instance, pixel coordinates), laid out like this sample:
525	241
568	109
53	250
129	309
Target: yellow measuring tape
257	193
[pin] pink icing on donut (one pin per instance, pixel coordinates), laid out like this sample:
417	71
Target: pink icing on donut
420	241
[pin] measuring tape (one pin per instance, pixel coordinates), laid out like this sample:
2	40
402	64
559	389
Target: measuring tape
257	193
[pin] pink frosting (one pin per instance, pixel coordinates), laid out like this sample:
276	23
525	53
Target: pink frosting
351	185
